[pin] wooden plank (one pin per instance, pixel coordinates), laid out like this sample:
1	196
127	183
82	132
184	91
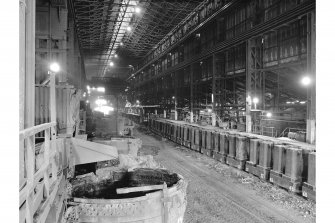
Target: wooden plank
22	196
137	189
45	208
46	159
88	152
38	197
35	129
30	177
38	175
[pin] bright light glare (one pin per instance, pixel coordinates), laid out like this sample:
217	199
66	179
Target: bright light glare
173	97
209	110
104	109
269	114
115	55
54	67
111	64
87	101
137	101
128	28
137	9
121	43
306	81
101	102
101	89
302	102
88	87
288	102
255	100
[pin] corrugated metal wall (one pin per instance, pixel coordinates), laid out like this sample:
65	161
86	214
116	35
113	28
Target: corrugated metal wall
67	106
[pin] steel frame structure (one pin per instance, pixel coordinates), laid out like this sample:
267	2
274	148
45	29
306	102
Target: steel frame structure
101	26
233	93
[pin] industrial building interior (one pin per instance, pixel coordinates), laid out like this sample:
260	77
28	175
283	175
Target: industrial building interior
167	111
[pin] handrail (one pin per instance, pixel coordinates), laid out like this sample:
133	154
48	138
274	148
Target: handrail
32	192
283	132
25	133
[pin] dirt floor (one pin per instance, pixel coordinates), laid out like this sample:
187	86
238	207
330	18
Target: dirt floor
218	193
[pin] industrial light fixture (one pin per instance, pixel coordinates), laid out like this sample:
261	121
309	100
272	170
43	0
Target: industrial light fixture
115	55
302	102
121	44
101	102
137	9
173	97
255	100
111	64
88	87
101	89
54	67
269	114
306	80
137	101
104	109
129	28
87	101
288	102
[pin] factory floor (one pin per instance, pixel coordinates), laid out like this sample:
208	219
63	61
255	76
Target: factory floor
218	193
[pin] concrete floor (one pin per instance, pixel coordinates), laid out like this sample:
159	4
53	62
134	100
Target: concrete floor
218	193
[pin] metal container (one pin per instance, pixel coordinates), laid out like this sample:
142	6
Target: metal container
162	206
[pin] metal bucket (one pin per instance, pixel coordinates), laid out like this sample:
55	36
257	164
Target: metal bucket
162	206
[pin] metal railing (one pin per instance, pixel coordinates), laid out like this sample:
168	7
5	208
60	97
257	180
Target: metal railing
289	129
38	189
264	130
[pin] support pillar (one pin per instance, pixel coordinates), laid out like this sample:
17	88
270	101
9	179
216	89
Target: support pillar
164	113
248	103
213	91
29	119
175	110
311	91
191	96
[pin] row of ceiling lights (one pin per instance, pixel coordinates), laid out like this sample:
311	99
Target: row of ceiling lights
129	29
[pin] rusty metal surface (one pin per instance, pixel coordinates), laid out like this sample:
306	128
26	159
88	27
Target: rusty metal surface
149	208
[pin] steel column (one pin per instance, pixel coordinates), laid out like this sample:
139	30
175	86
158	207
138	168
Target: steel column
311	91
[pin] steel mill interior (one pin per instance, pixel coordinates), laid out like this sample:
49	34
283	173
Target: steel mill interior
167	111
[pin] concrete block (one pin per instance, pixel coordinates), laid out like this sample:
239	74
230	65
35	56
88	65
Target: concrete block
265	154
308	191
232	145
285	182
294	163
241	148
279	152
209	140
203	139
311	169
239	164
219	157
254	151
216	139
224	143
